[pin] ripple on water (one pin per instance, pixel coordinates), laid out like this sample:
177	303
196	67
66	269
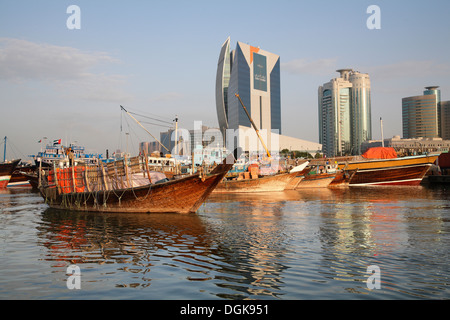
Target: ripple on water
307	245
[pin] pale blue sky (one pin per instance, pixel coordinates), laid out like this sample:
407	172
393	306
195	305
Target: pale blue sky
161	57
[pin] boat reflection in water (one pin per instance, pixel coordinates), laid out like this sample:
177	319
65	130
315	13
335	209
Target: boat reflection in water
139	250
294	244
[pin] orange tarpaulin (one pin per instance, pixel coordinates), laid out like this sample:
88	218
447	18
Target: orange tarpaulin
380	153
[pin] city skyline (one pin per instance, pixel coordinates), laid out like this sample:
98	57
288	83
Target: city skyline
162	58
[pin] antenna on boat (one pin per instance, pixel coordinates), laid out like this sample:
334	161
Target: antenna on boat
4	151
253	124
382	138
176	134
143	128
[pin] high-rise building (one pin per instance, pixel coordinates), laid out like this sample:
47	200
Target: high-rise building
421	115
445	119
345	113
254	74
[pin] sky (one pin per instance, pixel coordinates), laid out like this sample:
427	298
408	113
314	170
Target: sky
159	59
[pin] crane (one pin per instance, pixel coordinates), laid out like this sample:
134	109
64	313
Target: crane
253	124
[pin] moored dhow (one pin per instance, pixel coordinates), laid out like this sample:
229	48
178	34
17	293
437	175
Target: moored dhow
127	186
388	169
6	170
319	177
252	183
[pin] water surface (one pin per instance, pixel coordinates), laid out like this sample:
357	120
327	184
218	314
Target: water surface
308	244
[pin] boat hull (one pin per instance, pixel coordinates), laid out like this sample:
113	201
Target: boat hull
387	163
4	180
6	170
19	178
317	181
393	176
273	183
406	171
342	179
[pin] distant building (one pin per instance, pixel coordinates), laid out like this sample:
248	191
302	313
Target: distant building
445	119
149	147
413	146
345	113
188	140
421	115
254	74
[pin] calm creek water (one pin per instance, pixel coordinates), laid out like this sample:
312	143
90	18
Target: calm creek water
308	244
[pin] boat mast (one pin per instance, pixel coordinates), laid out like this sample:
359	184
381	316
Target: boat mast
253	124
144	128
176	134
382	138
4	151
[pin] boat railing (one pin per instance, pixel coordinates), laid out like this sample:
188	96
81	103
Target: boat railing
115	175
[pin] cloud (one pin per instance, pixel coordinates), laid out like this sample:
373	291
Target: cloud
66	68
409	69
310	67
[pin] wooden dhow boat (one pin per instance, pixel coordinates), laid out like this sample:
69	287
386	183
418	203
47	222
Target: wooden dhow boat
127	186
382	167
269	183
342	179
20	176
6	170
319	177
252	182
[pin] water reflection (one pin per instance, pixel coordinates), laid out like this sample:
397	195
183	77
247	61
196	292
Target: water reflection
291	245
241	255
117	238
251	238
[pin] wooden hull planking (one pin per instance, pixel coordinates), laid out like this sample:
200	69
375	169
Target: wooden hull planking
277	182
6	171
387	163
402	176
317	181
342	179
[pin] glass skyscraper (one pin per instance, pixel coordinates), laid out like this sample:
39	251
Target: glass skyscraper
345	113
255	75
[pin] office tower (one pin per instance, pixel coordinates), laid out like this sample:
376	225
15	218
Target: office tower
345	113
360	110
445	119
222	83
255	75
421	115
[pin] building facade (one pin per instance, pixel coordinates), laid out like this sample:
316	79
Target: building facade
409	147
345	113
445	119
254	74
421	115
